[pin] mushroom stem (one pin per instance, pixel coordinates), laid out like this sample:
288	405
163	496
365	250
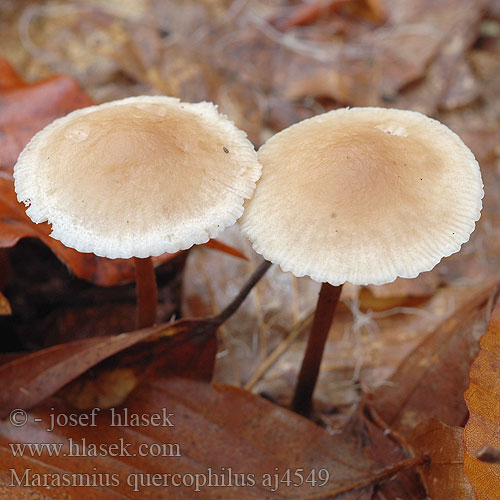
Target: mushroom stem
323	317
147	292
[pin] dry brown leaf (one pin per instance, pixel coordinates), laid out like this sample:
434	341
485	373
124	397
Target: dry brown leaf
443	476
483	427
478	124
464	88
185	346
377	443
430	382
27	108
207	434
309	13
493	9
457	23
29	379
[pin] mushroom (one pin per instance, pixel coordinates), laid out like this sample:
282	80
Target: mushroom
137	178
363	195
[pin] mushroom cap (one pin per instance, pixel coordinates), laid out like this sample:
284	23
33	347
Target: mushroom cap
363	195
137	177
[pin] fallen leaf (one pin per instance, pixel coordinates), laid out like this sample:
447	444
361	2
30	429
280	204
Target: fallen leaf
430	382
26	108
493	9
483	426
203	435
183	349
464	88
377	443
443	475
9	77
185	346
401	53
478	123
29	379
457	22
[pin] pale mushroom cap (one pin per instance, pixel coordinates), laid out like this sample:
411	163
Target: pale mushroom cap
137	177
363	195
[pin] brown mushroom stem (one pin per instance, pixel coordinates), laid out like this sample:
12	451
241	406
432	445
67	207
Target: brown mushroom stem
323	317
147	292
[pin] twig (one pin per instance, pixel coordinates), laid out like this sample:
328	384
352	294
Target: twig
262	337
376	478
242	295
210	324
224	334
384	426
231	308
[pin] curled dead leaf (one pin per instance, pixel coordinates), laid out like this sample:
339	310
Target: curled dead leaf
483	427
